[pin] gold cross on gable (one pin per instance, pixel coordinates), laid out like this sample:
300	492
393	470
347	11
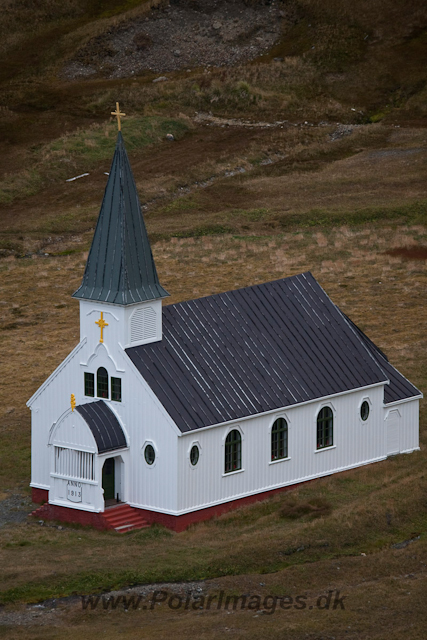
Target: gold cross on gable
101	324
118	113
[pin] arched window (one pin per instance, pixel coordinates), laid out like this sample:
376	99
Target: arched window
279	439
102	383
325	428
233	451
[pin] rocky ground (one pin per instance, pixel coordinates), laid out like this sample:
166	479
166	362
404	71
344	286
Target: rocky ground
14	507
182	35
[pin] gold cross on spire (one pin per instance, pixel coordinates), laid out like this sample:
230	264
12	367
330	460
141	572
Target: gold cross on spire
118	114
101	324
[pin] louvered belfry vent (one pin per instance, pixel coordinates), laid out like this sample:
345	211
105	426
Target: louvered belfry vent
143	325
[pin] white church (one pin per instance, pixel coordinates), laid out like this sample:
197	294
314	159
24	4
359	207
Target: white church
176	413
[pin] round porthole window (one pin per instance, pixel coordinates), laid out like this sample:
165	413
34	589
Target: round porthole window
149	454
364	410
194	455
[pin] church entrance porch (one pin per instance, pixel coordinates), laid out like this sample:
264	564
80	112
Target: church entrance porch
112	472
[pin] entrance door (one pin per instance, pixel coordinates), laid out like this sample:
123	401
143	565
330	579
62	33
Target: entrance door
108	479
393	440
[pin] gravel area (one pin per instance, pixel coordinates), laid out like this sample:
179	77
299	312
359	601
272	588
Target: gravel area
182	35
15	508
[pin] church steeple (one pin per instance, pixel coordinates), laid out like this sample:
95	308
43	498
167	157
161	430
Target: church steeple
120	268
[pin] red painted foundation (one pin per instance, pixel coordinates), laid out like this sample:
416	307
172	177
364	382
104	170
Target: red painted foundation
180	523
39	495
176	523
63	514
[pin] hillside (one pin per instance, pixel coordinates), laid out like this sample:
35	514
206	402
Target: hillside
300	143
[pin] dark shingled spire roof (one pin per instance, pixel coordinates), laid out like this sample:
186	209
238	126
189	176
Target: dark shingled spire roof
120	268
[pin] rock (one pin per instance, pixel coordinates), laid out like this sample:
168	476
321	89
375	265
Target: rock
217	25
160	79
177	53
170	136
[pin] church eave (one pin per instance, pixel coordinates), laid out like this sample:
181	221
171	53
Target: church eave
123	298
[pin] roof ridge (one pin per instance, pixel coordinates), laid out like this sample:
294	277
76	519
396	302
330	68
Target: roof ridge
251	286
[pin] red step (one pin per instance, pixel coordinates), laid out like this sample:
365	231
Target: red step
40	511
124	518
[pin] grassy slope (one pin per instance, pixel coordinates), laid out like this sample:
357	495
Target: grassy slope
332	207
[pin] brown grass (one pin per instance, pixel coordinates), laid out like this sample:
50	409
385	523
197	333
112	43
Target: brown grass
315	508
351	210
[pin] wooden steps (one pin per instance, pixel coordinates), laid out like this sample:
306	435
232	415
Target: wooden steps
124	518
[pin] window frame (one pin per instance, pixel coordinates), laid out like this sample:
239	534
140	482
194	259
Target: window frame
145	447
321	421
113	393
273	432
233	451
361	403
87	377
193	447
106	384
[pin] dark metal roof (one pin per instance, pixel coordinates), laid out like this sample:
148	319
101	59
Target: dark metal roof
399	388
120	268
104	425
253	350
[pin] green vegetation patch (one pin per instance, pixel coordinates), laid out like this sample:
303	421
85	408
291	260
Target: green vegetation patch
23	184
81	151
90	146
205	230
413	213
181	204
254	215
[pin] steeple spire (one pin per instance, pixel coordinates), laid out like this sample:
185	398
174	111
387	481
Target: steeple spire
120	268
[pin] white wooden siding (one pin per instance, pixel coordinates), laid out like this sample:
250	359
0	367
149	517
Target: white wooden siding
172	485
355	443
393	427
409	432
141	415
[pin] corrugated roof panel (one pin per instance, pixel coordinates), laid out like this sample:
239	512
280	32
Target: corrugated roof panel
105	427
257	349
